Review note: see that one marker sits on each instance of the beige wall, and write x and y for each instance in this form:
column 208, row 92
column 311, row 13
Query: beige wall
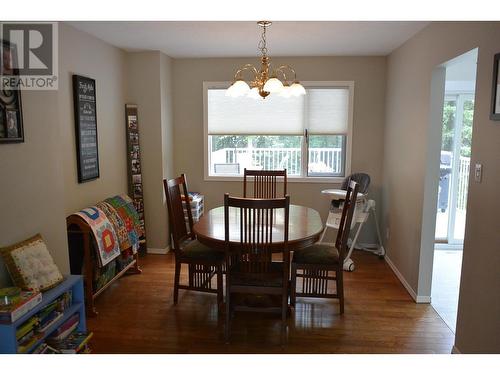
column 31, row 181
column 407, row 110
column 368, row 73
column 38, row 183
column 150, row 86
column 82, row 54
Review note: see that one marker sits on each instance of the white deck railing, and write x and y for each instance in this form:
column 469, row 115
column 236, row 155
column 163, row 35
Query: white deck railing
column 321, row 160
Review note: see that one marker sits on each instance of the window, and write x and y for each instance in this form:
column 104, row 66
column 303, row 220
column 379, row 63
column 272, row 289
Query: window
column 310, row 135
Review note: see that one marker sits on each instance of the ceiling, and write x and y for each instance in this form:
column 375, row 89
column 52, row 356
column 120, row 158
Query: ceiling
column 239, row 39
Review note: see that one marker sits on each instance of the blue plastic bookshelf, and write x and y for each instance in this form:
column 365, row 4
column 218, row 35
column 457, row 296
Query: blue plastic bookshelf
column 8, row 342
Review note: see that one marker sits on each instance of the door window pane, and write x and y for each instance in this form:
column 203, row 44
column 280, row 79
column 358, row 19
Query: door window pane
column 445, row 168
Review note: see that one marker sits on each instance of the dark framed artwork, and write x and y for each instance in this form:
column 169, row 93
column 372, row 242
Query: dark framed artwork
column 11, row 113
column 495, row 92
column 87, row 153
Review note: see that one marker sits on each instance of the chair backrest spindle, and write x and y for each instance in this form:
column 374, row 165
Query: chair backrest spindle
column 264, row 183
column 254, row 253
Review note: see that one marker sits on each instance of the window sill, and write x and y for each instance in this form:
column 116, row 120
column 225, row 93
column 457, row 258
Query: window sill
column 322, row 180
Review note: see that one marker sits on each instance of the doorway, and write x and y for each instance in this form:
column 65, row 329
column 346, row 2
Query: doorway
column 454, row 166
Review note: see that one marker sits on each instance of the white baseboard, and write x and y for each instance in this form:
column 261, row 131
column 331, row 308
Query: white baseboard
column 152, row 250
column 423, row 299
column 455, row 350
column 416, row 298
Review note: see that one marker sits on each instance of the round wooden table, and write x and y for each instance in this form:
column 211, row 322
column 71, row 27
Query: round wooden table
column 305, row 227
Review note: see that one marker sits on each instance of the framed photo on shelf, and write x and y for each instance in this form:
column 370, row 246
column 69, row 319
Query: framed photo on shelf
column 11, row 116
column 495, row 91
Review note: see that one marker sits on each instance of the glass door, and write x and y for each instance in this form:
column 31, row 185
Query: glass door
column 454, row 168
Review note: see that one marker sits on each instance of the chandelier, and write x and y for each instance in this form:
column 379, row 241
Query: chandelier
column 265, row 80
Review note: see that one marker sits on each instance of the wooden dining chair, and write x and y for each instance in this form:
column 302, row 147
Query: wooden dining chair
column 251, row 272
column 316, row 262
column 264, row 183
column 203, row 262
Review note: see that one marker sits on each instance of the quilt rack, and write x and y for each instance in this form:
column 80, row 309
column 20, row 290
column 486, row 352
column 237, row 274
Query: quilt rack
column 83, row 260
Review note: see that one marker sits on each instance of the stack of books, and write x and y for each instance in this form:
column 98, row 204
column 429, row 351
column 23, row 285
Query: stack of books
column 64, row 330
column 48, row 316
column 76, row 342
column 16, row 303
column 67, row 340
column 26, row 335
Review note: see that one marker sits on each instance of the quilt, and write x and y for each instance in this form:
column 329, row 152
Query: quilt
column 104, row 233
column 126, row 210
column 118, row 224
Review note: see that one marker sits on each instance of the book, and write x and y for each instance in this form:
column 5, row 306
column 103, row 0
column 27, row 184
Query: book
column 26, row 327
column 74, row 343
column 65, row 329
column 7, row 295
column 27, row 342
column 40, row 348
column 46, row 311
column 44, row 348
column 52, row 319
column 26, row 301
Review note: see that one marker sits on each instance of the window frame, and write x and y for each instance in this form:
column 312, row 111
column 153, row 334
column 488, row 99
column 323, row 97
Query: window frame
column 304, row 168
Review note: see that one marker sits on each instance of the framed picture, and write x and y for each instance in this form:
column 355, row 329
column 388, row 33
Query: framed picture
column 11, row 117
column 495, row 92
column 84, row 97
column 135, row 190
column 137, row 179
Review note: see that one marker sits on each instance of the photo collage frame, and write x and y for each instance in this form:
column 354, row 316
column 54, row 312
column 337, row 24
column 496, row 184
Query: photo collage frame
column 134, row 161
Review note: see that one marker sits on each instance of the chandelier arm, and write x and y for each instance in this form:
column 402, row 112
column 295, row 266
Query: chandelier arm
column 285, row 66
column 280, row 70
column 239, row 72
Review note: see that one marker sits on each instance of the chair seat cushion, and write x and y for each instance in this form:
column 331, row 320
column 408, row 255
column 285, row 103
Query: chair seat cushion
column 196, row 251
column 317, row 254
column 269, row 279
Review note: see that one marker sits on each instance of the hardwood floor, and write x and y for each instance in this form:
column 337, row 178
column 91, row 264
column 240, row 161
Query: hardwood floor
column 136, row 315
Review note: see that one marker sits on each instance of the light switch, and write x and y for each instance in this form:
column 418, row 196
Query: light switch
column 478, row 172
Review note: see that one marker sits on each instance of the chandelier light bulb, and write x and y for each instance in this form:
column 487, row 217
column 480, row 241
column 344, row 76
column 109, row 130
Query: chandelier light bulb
column 238, row 88
column 254, row 93
column 297, row 89
column 286, row 92
column 273, row 85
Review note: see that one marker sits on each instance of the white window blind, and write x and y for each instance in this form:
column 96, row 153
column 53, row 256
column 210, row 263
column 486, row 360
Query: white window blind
column 321, row 111
column 328, row 110
column 244, row 115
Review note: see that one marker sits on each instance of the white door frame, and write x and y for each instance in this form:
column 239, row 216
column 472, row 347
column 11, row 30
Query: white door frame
column 431, row 184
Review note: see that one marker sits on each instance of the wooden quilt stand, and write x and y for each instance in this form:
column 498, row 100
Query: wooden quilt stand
column 76, row 226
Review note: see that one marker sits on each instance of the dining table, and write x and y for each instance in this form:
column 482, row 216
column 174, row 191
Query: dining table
column 304, row 228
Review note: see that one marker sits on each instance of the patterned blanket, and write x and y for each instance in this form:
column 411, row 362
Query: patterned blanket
column 118, row 224
column 104, row 233
column 126, row 210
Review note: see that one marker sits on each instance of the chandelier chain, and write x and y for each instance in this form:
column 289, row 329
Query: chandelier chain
column 262, row 42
